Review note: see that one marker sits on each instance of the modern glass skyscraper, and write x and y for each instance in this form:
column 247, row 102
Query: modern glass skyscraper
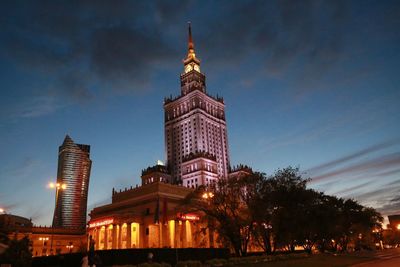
column 196, row 141
column 74, row 166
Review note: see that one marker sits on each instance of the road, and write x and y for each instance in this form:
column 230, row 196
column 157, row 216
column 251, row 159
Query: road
column 384, row 258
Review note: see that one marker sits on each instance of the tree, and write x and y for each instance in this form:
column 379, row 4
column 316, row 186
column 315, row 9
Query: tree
column 280, row 212
column 18, row 253
column 229, row 208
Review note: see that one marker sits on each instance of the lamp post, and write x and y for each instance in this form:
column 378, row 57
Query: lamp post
column 57, row 187
column 70, row 247
column 207, row 196
column 43, row 239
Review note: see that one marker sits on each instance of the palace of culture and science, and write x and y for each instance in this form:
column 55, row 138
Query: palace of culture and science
column 195, row 129
column 197, row 154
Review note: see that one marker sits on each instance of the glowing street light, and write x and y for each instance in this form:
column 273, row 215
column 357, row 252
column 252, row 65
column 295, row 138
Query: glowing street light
column 207, row 195
column 57, row 187
column 398, row 226
column 70, row 247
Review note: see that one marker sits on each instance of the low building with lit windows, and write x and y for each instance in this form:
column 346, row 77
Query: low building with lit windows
column 44, row 241
column 148, row 216
column 47, row 241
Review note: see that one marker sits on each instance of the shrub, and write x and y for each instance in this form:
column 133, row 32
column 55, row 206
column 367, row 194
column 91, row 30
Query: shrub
column 154, row 264
column 189, row 264
column 217, row 262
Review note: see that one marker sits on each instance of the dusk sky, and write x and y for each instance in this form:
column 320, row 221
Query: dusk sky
column 313, row 84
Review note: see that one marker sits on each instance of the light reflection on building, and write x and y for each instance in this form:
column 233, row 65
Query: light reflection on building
column 74, row 167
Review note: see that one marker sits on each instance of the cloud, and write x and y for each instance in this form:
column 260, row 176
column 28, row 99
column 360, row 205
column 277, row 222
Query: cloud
column 353, row 188
column 347, row 158
column 368, row 167
column 23, row 168
column 79, row 48
column 86, row 46
column 124, row 56
column 383, row 198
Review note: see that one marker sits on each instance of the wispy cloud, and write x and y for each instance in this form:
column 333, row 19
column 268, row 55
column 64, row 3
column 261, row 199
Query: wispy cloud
column 369, row 167
column 352, row 189
column 353, row 156
column 38, row 106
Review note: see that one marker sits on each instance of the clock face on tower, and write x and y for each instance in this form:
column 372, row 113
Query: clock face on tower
column 192, row 66
column 188, row 68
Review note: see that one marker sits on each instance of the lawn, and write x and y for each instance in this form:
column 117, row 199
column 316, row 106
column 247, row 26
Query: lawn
column 321, row 260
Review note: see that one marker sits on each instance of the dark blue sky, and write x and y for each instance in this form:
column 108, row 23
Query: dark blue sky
column 314, row 84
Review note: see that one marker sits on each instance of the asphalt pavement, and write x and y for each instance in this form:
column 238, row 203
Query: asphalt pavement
column 384, row 258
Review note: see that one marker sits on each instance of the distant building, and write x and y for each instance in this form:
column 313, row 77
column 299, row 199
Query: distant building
column 44, row 241
column 74, row 166
column 394, row 222
column 196, row 142
column 12, row 225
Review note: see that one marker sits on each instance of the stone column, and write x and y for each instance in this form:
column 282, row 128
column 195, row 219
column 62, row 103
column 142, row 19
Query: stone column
column 128, row 235
column 114, row 237
column 165, row 236
column 142, row 236
column 177, row 235
column 97, row 238
column 119, row 241
column 183, row 234
column 106, row 237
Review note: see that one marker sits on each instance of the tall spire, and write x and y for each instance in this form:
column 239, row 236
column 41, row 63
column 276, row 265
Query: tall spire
column 191, row 55
column 190, row 41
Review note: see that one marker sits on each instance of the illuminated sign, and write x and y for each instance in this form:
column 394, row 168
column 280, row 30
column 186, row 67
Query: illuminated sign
column 101, row 223
column 189, row 217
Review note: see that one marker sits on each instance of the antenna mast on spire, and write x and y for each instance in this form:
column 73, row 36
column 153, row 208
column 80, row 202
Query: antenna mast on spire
column 190, row 41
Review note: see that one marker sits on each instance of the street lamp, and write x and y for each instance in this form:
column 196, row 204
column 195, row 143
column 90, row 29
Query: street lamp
column 70, row 247
column 57, row 187
column 207, row 195
column 398, row 226
column 43, row 239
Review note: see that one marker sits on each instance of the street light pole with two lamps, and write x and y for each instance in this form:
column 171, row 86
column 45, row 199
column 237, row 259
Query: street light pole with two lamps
column 57, row 187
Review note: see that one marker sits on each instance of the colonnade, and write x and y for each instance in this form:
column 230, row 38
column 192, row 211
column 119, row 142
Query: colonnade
column 172, row 234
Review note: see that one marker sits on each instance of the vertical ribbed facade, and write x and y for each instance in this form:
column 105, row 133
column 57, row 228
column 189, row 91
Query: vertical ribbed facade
column 74, row 166
column 196, row 140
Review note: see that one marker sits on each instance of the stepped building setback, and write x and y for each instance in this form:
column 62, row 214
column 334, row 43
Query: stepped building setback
column 196, row 142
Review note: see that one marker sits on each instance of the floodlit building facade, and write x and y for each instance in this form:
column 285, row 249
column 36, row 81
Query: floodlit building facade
column 73, row 174
column 148, row 216
column 196, row 142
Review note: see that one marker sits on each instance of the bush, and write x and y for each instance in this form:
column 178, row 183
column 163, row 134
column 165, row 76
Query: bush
column 154, row 264
column 189, row 264
column 217, row 262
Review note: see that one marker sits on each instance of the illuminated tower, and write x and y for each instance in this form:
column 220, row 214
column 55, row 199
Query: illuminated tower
column 195, row 129
column 74, row 171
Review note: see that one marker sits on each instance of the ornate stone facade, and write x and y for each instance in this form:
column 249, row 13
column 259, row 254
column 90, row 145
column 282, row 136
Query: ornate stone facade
column 195, row 124
column 148, row 217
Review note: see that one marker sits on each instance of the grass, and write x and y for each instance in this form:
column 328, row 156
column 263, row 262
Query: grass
column 320, row 260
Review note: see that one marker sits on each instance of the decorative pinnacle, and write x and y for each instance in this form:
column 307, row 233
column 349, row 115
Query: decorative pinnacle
column 190, row 41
